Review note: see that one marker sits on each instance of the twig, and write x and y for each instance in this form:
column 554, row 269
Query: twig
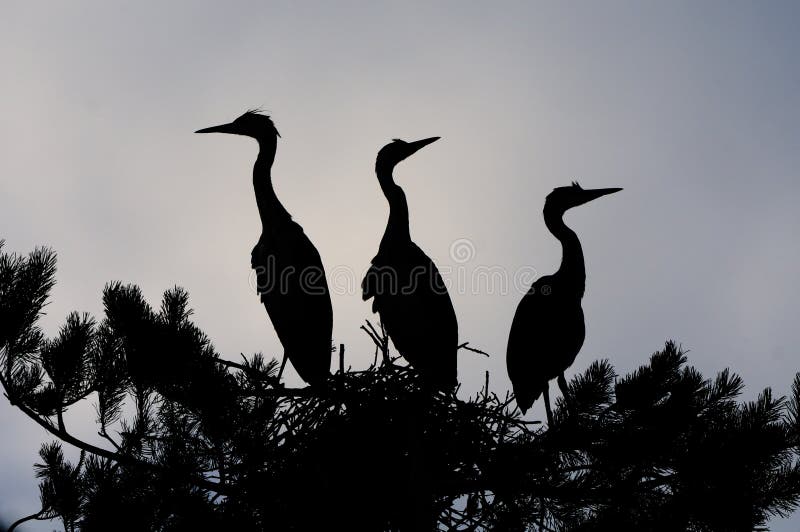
column 250, row 372
column 374, row 331
column 235, row 365
column 373, row 337
column 466, row 346
column 385, row 338
column 381, row 339
column 102, row 433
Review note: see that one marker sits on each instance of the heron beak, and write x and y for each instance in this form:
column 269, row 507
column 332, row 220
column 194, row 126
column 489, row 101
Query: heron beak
column 223, row 128
column 594, row 193
column 415, row 146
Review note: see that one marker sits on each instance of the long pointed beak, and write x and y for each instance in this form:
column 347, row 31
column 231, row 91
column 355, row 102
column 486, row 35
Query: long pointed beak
column 222, row 128
column 419, row 144
column 594, row 193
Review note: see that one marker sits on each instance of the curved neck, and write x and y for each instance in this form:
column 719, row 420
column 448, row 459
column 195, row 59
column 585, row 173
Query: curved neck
column 270, row 209
column 397, row 226
column 572, row 267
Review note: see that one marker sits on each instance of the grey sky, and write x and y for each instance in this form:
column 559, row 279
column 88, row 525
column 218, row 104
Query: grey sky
column 693, row 108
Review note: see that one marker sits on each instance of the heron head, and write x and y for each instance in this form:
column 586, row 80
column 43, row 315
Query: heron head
column 397, row 150
column 563, row 198
column 250, row 124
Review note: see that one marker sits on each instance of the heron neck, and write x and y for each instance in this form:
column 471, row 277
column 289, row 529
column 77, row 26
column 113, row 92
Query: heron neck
column 270, row 209
column 397, row 226
column 572, row 267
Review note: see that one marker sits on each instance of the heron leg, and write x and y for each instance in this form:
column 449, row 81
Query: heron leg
column 546, row 395
column 562, row 384
column 283, row 365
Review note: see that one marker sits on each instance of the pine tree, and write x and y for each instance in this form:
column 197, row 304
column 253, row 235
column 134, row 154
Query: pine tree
column 195, row 442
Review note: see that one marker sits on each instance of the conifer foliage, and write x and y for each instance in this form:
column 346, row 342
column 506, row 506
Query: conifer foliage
column 190, row 441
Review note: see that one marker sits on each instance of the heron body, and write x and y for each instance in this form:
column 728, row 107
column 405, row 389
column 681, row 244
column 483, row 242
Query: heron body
column 289, row 271
column 548, row 329
column 406, row 288
column 293, row 288
column 559, row 321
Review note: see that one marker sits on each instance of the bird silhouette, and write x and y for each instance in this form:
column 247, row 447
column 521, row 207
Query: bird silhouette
column 406, row 287
column 289, row 271
column 548, row 328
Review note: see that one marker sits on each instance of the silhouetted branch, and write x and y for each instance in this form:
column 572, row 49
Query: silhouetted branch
column 63, row 435
column 104, row 434
column 466, row 346
column 15, row 524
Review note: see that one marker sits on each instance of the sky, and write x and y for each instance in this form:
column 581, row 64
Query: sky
column 692, row 107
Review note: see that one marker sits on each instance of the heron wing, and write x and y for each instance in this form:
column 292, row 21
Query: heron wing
column 546, row 334
column 294, row 290
column 416, row 309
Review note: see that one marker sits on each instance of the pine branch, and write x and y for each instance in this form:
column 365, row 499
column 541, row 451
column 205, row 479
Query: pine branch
column 63, row 435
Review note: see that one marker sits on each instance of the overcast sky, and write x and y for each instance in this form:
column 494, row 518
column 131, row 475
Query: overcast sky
column 692, row 107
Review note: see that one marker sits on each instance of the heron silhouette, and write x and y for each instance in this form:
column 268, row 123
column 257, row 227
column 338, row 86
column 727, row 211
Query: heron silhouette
column 289, row 271
column 406, row 288
column 548, row 328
